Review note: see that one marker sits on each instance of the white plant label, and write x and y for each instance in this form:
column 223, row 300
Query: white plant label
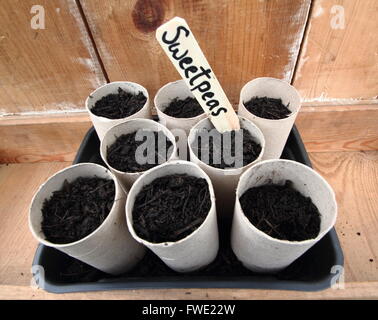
column 179, row 44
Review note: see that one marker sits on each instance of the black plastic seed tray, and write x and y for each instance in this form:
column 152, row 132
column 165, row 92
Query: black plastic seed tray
column 59, row 273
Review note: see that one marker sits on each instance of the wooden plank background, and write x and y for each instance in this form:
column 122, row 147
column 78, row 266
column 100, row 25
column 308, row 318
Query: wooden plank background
column 339, row 128
column 42, row 139
column 45, row 70
column 242, row 39
column 339, row 59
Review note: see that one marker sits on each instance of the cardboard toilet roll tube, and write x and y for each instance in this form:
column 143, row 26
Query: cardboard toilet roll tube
column 110, row 247
column 260, row 252
column 126, row 179
column 196, row 250
column 102, row 124
column 275, row 132
column 165, row 95
column 224, row 180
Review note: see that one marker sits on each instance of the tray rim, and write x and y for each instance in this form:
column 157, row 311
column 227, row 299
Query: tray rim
column 235, row 282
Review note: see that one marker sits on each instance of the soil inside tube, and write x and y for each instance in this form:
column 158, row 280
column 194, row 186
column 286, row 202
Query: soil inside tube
column 268, row 108
column 217, row 149
column 121, row 155
column 183, row 108
column 77, row 209
column 281, row 212
column 171, row 207
column 119, row 105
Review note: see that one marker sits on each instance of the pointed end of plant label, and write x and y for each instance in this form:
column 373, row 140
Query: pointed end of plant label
column 181, row 47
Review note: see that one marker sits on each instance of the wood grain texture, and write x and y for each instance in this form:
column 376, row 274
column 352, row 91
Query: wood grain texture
column 339, row 128
column 42, row 139
column 354, row 178
column 338, row 63
column 242, row 39
column 17, row 188
column 354, row 290
column 45, row 70
column 353, row 175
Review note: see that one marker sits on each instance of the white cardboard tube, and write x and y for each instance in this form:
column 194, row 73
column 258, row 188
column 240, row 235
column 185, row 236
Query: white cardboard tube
column 165, row 95
column 260, row 252
column 277, row 131
column 126, row 179
column 196, row 250
column 225, row 180
column 110, row 247
column 102, row 124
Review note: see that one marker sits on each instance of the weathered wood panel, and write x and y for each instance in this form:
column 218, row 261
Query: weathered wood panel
column 242, row 39
column 42, row 139
column 354, row 178
column 339, row 59
column 51, row 69
column 339, row 128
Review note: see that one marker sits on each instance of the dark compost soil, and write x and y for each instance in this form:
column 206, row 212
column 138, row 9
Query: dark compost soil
column 119, row 105
column 186, row 108
column 171, row 207
column 121, row 154
column 216, row 149
column 281, row 212
column 268, row 108
column 77, row 209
